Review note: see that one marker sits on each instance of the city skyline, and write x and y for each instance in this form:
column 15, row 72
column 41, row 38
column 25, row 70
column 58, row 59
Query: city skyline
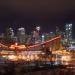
column 43, row 29
column 37, row 37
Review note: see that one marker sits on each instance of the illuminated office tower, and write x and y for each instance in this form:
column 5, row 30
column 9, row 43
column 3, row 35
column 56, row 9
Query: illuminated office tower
column 21, row 35
column 57, row 30
column 38, row 28
column 10, row 33
column 68, row 33
column 29, row 39
column 35, row 36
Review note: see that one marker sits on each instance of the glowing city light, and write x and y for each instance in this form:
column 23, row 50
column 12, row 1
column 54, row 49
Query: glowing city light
column 12, row 57
column 66, row 58
column 38, row 28
column 16, row 44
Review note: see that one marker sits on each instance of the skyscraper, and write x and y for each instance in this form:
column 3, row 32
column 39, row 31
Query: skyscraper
column 35, row 36
column 57, row 30
column 10, row 33
column 68, row 33
column 21, row 35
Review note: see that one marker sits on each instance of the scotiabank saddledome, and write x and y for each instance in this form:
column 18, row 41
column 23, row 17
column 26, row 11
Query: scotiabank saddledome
column 21, row 52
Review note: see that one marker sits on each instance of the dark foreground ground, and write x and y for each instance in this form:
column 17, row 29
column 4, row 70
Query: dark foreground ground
column 11, row 69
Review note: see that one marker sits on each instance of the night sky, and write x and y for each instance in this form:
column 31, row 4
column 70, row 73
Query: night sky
column 28, row 13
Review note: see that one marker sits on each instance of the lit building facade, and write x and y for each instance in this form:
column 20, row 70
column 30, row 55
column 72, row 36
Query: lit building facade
column 21, row 35
column 68, row 33
column 35, row 36
column 10, row 33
